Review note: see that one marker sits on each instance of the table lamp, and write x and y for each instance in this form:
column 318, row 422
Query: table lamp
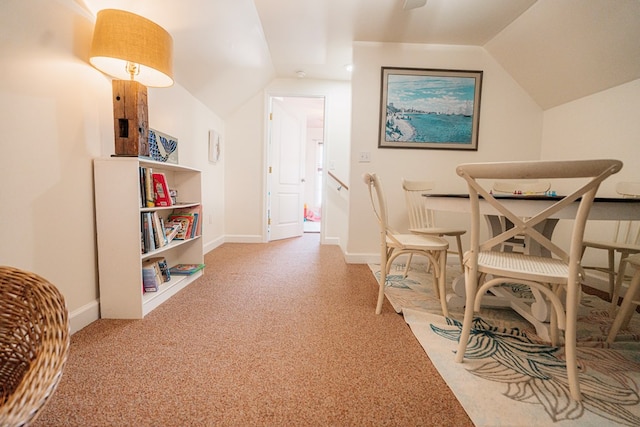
column 138, row 52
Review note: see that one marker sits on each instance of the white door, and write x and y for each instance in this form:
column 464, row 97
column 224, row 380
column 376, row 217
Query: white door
column 286, row 177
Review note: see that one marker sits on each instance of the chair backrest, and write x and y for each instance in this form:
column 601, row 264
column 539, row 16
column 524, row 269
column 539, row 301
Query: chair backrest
column 379, row 204
column 628, row 232
column 592, row 172
column 34, row 344
column 521, row 187
column 628, row 189
column 420, row 216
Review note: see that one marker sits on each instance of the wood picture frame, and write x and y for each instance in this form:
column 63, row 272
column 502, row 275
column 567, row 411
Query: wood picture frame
column 429, row 108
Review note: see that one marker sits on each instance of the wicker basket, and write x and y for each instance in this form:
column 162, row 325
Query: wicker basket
column 34, row 344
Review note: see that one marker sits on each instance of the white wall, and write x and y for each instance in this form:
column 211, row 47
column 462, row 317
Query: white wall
column 176, row 112
column 245, row 166
column 56, row 118
column 510, row 129
column 603, row 125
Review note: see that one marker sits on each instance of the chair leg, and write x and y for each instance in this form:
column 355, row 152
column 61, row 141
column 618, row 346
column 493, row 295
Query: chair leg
column 406, row 269
column 471, row 286
column 570, row 340
column 612, row 272
column 626, row 309
column 460, row 252
column 383, row 281
column 553, row 325
column 442, row 282
column 615, row 295
column 385, row 262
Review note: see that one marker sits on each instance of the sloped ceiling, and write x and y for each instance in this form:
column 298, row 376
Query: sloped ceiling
column 226, row 51
column 559, row 51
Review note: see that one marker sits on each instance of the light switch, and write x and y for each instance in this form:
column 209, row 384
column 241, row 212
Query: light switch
column 364, row 157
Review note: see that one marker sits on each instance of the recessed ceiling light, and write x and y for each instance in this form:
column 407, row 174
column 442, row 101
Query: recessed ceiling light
column 348, row 67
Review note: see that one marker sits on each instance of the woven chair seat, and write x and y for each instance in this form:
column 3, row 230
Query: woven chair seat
column 548, row 270
column 34, row 344
column 438, row 231
column 419, row 242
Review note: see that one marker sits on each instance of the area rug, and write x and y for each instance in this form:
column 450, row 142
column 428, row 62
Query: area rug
column 510, row 377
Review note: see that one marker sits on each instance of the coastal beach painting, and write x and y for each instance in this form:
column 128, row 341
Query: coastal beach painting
column 428, row 108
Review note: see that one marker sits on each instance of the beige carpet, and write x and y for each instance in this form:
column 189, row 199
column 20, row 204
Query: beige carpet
column 272, row 335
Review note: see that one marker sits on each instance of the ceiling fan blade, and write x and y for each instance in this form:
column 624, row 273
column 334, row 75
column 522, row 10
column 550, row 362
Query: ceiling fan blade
column 413, row 4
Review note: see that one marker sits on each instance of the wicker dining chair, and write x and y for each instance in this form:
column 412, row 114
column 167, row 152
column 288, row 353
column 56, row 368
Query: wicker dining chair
column 394, row 244
column 34, row 344
column 631, row 299
column 422, row 219
column 624, row 242
column 558, row 277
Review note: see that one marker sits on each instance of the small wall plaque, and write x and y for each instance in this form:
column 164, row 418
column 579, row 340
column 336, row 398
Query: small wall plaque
column 163, row 147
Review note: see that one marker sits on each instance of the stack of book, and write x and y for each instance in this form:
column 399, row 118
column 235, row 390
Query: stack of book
column 154, row 273
column 189, row 218
column 181, row 224
column 154, row 189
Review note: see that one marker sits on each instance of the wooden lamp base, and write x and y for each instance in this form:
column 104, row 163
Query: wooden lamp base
column 130, row 118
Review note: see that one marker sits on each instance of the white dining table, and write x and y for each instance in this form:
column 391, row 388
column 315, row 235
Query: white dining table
column 535, row 309
column 604, row 208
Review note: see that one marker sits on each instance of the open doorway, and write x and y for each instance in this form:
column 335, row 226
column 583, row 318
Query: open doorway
column 313, row 181
column 302, row 121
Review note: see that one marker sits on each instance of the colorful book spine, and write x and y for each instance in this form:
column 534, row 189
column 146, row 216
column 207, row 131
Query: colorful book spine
column 161, row 190
column 148, row 181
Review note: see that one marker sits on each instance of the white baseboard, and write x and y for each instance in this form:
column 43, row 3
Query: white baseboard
column 209, row 246
column 331, row 241
column 375, row 259
column 239, row 238
column 84, row 315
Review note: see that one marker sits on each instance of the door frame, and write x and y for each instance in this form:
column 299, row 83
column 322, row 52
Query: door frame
column 267, row 154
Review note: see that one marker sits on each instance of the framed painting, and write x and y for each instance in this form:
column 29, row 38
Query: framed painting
column 214, row 146
column 429, row 108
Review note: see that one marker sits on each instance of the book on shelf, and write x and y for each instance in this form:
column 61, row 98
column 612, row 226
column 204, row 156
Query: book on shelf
column 151, row 275
column 163, row 266
column 172, row 228
column 160, row 238
column 186, row 222
column 148, row 187
column 148, row 239
column 160, row 190
column 185, row 269
column 141, row 183
column 196, row 213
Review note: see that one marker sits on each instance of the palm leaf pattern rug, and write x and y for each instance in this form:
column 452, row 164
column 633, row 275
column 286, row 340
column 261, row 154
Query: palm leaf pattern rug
column 511, row 377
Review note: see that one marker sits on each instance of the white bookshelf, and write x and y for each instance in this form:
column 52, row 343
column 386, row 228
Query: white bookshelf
column 118, row 217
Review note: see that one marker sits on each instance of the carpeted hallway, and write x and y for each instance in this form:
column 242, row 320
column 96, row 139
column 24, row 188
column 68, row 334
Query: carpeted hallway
column 273, row 334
